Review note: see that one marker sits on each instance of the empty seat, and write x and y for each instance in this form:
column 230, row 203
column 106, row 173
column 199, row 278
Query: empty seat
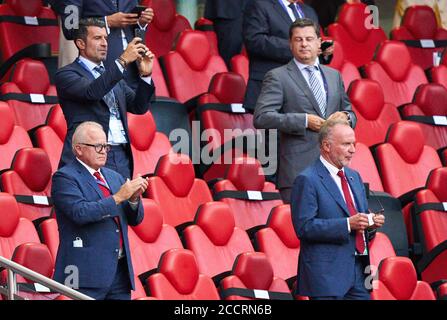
column 176, row 190
column 419, row 24
column 359, row 42
column 431, row 220
column 49, row 234
column 393, row 68
column 252, row 278
column 148, row 241
column 215, row 240
column 12, row 137
column 348, row 70
column 380, row 248
column 178, row 278
column 191, row 66
column 29, row 181
column 397, row 280
column 29, row 93
column 239, row 64
column 165, row 26
column 247, row 193
column 363, row 162
column 374, row 115
column 439, row 75
column 280, row 244
column 429, row 110
column 50, row 137
column 206, row 26
column 161, row 88
column 146, row 143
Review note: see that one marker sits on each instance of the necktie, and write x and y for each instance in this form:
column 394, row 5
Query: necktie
column 106, row 192
column 109, row 98
column 297, row 12
column 359, row 243
column 315, row 86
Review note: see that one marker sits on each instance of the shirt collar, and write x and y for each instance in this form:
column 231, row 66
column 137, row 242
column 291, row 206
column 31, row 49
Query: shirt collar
column 303, row 66
column 90, row 64
column 90, row 169
column 333, row 170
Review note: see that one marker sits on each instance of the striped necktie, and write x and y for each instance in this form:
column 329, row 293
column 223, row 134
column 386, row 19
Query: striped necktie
column 318, row 92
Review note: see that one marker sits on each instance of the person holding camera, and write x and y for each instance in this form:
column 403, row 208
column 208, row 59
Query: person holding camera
column 90, row 91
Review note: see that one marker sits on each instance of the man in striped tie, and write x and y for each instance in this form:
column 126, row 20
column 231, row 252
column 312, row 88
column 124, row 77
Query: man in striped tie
column 296, row 99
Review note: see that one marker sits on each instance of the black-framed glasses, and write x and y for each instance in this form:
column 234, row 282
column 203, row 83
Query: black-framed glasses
column 98, row 147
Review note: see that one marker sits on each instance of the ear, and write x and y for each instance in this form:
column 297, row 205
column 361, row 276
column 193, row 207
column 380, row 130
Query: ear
column 326, row 146
column 80, row 44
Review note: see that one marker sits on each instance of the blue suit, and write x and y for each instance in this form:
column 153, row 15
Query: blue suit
column 81, row 99
column 327, row 256
column 83, row 212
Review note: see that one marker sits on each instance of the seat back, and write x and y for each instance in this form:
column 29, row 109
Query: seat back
column 239, row 64
column 30, row 78
column 439, row 75
column 348, row 70
column 161, row 88
column 380, row 247
column 206, row 26
column 363, row 162
column 397, row 74
column 165, row 26
column 191, row 66
column 359, row 42
column 215, row 240
column 374, row 116
column 49, row 232
column 279, row 242
column 178, row 278
column 30, row 175
column 34, row 256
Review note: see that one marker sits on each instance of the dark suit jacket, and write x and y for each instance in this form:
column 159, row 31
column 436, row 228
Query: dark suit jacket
column 102, row 8
column 224, row 9
column 284, row 100
column 319, row 213
column 81, row 99
column 83, row 212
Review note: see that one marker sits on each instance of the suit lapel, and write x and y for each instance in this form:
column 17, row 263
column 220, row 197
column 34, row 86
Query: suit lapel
column 298, row 78
column 282, row 13
column 328, row 78
column 87, row 178
column 331, row 187
column 356, row 190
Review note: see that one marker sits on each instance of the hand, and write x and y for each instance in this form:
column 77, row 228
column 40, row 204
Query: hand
column 134, row 50
column 121, row 20
column 314, row 122
column 143, row 186
column 146, row 17
column 329, row 50
column 338, row 116
column 131, row 190
column 379, row 220
column 145, row 63
column 359, row 222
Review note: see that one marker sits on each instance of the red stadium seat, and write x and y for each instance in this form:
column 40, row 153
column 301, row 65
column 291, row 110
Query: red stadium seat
column 191, row 66
column 398, row 281
column 429, row 104
column 374, row 115
column 253, row 272
column 146, row 143
column 439, row 75
column 176, row 190
column 29, row 93
column 359, row 42
column 419, row 23
column 215, row 240
column 247, row 193
column 50, row 137
column 165, row 26
column 397, row 74
column 363, row 162
column 49, row 232
column 348, row 70
column 206, row 26
column 279, row 243
column 29, row 181
column 239, row 64
column 178, row 278
column 161, row 88
column 148, row 241
column 12, row 137
column 380, row 248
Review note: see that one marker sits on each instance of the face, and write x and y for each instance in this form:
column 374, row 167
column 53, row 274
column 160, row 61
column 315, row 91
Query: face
column 340, row 147
column 87, row 154
column 95, row 46
column 305, row 45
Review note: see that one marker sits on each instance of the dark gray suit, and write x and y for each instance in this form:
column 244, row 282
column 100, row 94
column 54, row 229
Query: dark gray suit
column 283, row 103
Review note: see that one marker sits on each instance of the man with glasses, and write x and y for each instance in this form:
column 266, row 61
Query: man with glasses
column 88, row 91
column 94, row 206
column 296, row 99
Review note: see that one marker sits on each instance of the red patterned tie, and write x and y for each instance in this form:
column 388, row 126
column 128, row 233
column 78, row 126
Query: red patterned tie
column 359, row 243
column 106, row 192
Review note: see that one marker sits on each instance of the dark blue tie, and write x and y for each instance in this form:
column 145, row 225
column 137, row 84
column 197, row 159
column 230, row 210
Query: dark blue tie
column 297, row 12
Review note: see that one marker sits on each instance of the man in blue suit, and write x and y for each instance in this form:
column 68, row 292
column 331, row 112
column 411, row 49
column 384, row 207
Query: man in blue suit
column 329, row 213
column 94, row 206
column 89, row 92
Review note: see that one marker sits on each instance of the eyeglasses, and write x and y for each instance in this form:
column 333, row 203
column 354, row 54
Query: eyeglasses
column 98, row 147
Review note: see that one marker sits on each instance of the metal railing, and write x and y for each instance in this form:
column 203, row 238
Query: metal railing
column 14, row 268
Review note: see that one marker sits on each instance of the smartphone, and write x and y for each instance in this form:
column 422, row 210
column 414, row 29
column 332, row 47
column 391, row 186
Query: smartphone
column 138, row 9
column 326, row 44
column 140, row 33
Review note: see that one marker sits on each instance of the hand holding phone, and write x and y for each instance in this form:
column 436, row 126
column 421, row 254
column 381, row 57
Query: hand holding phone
column 138, row 10
column 326, row 44
column 140, row 33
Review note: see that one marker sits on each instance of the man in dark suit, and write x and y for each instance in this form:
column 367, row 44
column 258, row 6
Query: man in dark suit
column 94, row 206
column 265, row 29
column 331, row 218
column 296, row 99
column 87, row 92
column 120, row 24
column 227, row 20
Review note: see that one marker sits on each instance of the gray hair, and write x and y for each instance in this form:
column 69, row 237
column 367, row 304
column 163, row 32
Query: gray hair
column 328, row 125
column 81, row 132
